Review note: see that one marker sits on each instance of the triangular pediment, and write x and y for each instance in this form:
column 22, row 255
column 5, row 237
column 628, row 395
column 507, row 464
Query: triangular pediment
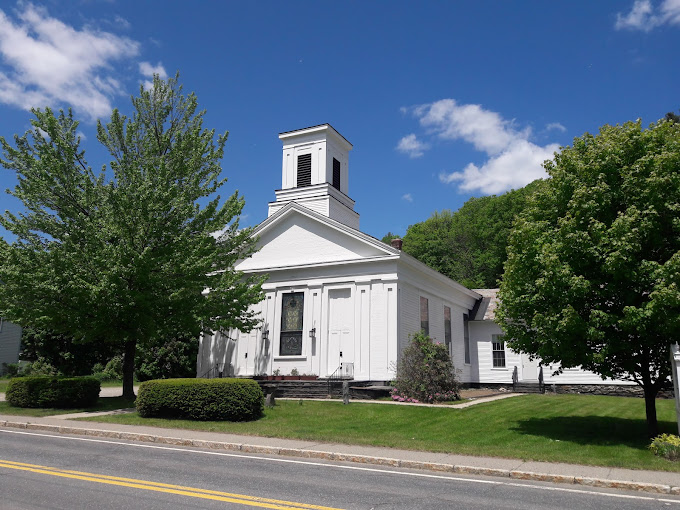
column 296, row 236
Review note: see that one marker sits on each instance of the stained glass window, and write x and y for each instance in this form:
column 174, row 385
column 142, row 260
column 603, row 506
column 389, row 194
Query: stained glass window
column 292, row 315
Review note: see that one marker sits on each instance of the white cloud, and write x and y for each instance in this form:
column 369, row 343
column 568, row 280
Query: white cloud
column 46, row 62
column 148, row 70
column 556, row 126
column 512, row 159
column 643, row 16
column 407, row 197
column 410, row 145
column 513, row 168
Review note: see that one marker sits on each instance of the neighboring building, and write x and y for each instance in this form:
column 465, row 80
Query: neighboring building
column 10, row 343
column 491, row 361
column 340, row 301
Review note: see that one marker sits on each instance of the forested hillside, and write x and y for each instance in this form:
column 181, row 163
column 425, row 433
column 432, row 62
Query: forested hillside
column 468, row 245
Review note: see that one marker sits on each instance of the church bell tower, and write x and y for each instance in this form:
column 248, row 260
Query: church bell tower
column 314, row 173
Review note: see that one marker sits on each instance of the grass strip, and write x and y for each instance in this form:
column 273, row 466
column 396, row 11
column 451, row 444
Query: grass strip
column 103, row 404
column 577, row 429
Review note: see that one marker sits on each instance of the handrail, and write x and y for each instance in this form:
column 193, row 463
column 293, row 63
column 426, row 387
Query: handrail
column 218, row 371
column 344, row 372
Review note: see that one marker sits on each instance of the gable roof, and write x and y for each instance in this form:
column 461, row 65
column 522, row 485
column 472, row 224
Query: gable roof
column 286, row 238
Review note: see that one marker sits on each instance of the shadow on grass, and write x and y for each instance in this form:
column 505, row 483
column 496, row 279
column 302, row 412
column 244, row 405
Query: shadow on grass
column 593, row 430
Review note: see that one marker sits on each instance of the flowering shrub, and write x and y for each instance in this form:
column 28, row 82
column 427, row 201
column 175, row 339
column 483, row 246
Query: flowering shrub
column 425, row 373
column 666, row 445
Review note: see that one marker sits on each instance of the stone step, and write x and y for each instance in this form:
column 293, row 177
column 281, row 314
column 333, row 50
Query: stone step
column 527, row 387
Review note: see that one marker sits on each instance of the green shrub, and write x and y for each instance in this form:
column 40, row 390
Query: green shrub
column 53, row 391
column 425, row 373
column 39, row 367
column 167, row 359
column 201, row 399
column 113, row 371
column 666, row 445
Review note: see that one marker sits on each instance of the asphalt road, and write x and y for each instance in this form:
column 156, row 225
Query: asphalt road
column 43, row 471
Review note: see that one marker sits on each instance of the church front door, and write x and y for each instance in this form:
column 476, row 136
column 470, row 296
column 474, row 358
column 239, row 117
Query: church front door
column 340, row 329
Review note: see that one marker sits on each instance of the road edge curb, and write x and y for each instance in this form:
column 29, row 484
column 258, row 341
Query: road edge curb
column 349, row 457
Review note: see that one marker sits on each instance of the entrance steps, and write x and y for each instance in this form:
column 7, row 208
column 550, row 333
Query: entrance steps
column 301, row 389
column 322, row 388
column 528, row 387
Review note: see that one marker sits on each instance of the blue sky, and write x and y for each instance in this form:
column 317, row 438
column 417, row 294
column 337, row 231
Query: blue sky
column 441, row 100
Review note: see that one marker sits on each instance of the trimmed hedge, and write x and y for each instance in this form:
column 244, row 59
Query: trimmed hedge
column 53, row 391
column 201, row 399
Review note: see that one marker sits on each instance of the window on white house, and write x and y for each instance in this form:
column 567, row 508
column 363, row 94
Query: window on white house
column 292, row 315
column 424, row 316
column 466, row 338
column 447, row 328
column 498, row 351
column 304, row 170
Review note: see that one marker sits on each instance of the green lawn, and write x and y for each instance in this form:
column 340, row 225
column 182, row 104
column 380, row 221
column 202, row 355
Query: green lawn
column 103, row 404
column 595, row 430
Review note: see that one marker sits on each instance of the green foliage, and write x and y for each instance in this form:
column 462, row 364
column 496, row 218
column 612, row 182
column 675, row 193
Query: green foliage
column 113, row 371
column 425, row 373
column 41, row 366
column 122, row 256
column 201, row 399
column 387, row 239
column 593, row 271
column 46, row 391
column 667, row 446
column 10, row 369
column 469, row 245
column 167, row 360
column 72, row 357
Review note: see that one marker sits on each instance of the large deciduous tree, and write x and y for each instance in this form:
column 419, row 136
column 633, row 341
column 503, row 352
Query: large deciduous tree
column 124, row 256
column 593, row 271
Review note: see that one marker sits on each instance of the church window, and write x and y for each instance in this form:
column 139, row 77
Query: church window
column 304, row 170
column 292, row 315
column 336, row 174
column 447, row 328
column 466, row 338
column 498, row 351
column 424, row 316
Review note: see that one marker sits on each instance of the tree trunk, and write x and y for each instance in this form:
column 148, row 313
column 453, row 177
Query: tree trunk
column 129, row 369
column 651, row 391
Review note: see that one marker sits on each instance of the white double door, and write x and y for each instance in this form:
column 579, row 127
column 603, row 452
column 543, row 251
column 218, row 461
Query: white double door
column 340, row 328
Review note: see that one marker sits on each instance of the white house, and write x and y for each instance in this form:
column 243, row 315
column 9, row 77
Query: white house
column 10, row 343
column 340, row 301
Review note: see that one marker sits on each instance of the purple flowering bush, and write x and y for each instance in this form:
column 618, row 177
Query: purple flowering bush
column 425, row 373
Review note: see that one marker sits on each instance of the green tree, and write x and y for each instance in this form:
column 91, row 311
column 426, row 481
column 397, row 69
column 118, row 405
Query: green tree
column 469, row 245
column 387, row 238
column 123, row 257
column 593, row 273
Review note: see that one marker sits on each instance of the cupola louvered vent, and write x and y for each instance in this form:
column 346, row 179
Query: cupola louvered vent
column 336, row 174
column 304, row 170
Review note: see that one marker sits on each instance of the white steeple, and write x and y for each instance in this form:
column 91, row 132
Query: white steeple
column 314, row 173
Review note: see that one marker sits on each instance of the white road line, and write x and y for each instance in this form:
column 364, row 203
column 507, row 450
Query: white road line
column 354, row 468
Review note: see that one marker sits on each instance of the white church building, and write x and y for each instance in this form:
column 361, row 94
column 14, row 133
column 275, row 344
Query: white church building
column 338, row 301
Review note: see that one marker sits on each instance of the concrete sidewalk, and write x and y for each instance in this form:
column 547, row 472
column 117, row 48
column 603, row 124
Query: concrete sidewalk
column 650, row 481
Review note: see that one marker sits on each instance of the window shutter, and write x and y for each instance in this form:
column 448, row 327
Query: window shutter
column 336, row 174
column 304, row 170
